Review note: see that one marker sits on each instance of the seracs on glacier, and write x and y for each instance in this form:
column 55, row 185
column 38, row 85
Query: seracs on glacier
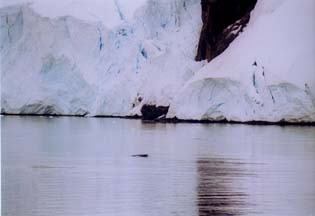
column 70, row 65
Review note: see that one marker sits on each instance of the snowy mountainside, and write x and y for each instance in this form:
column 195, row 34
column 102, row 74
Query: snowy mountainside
column 266, row 74
column 69, row 65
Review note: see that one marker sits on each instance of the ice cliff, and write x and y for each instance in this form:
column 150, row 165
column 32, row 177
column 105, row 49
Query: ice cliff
column 68, row 65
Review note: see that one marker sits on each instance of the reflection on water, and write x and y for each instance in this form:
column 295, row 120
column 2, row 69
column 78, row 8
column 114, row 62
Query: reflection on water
column 217, row 191
column 82, row 166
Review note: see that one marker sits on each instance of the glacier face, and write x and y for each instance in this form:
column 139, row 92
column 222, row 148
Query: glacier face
column 217, row 99
column 67, row 66
column 110, row 12
column 75, row 67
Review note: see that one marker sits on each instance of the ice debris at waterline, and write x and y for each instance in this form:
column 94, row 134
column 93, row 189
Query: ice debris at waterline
column 71, row 65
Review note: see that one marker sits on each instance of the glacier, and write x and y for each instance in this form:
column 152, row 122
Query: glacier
column 72, row 65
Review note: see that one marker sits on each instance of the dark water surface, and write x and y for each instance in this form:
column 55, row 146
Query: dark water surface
column 83, row 166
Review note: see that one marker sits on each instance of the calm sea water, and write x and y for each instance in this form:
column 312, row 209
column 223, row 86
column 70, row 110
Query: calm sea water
column 83, row 166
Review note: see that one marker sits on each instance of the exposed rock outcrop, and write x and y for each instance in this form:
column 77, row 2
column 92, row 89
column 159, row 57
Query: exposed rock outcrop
column 223, row 20
column 152, row 112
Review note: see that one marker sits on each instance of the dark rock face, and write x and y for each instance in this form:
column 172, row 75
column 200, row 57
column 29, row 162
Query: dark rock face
column 223, row 20
column 152, row 112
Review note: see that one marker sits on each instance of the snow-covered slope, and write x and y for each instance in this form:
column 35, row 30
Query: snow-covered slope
column 76, row 65
column 267, row 73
